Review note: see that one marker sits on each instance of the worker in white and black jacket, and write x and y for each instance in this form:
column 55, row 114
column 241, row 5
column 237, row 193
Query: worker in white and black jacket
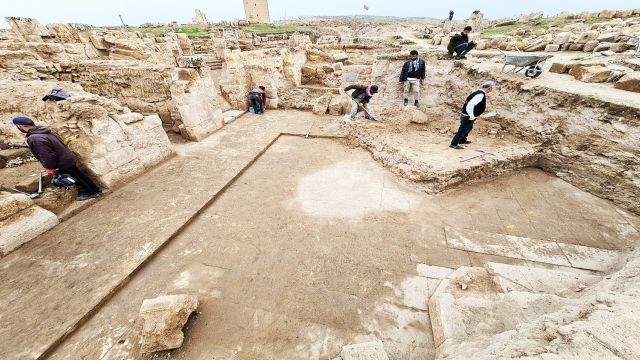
column 473, row 108
column 412, row 75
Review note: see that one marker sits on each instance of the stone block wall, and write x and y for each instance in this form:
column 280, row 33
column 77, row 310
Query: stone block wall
column 148, row 75
column 112, row 143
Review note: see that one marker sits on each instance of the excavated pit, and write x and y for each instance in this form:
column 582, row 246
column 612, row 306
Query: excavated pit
column 297, row 246
column 587, row 141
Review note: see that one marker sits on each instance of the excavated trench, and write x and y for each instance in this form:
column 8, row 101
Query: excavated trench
column 588, row 142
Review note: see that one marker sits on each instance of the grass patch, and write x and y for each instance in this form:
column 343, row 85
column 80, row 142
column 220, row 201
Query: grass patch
column 536, row 26
column 161, row 30
column 274, row 29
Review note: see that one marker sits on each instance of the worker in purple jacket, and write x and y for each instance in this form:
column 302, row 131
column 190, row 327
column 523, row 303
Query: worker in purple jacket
column 55, row 156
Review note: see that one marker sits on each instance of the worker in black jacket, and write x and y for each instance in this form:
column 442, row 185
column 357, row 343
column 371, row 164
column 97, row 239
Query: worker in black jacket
column 460, row 45
column 361, row 95
column 412, row 76
column 473, row 108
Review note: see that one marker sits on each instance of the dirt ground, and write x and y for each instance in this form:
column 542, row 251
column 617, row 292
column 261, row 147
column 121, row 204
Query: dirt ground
column 316, row 246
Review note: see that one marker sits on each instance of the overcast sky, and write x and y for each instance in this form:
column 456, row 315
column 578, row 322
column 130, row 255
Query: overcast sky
column 135, row 12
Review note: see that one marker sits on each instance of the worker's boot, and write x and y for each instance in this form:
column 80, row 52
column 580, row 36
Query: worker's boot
column 416, row 103
column 406, row 102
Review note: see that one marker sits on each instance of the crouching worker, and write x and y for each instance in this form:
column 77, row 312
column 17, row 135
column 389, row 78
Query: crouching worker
column 362, row 94
column 459, row 45
column 258, row 99
column 473, row 108
column 56, row 157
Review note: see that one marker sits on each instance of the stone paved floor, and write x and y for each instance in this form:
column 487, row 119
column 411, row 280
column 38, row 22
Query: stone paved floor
column 317, row 246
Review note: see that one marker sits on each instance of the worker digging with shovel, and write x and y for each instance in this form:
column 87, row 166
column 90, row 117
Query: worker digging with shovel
column 361, row 96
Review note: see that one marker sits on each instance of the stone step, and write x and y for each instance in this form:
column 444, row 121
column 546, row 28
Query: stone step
column 542, row 251
column 475, row 303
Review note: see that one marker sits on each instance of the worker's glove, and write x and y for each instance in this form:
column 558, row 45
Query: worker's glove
column 472, row 118
column 50, row 171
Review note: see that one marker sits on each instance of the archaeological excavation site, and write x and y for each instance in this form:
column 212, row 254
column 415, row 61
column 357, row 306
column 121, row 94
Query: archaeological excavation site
column 310, row 189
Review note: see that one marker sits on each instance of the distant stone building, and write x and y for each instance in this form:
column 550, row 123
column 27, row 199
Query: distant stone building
column 256, row 11
column 199, row 18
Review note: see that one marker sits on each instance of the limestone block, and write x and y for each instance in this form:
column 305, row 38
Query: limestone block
column 434, row 272
column 11, row 204
column 31, row 183
column 589, row 46
column 629, row 82
column 537, row 46
column 624, row 13
column 615, row 47
column 340, row 57
column 446, row 322
column 576, row 47
column 128, row 118
column 198, row 106
column 373, row 350
column 192, row 61
column 10, row 154
column 98, row 41
column 339, row 105
column 23, row 227
column 562, row 38
column 587, row 36
column 322, row 104
column 27, row 29
column 481, row 44
column 552, row 48
column 508, row 278
column 607, row 14
column 164, row 318
column 560, row 68
column 610, row 37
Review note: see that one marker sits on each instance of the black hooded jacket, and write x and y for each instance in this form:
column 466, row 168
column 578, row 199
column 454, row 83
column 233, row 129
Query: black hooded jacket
column 49, row 149
column 359, row 90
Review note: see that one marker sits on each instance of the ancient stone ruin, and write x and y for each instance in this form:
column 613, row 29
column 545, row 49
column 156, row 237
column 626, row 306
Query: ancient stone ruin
column 301, row 233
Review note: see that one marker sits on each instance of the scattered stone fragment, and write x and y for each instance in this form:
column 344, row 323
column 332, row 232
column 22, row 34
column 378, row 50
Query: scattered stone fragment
column 322, row 104
column 629, row 82
column 373, row 350
column 164, row 318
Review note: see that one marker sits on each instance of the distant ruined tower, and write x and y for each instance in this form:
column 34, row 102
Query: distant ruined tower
column 256, row 11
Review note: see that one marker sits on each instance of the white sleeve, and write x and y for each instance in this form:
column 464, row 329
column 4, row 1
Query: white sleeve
column 472, row 104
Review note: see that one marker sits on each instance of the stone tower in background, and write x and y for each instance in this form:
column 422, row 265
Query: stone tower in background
column 256, row 11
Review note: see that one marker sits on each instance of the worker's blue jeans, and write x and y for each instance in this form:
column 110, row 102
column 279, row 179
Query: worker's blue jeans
column 466, row 125
column 256, row 103
column 463, row 49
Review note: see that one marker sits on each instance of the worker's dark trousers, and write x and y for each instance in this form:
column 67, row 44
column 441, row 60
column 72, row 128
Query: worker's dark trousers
column 463, row 49
column 256, row 103
column 83, row 182
column 466, row 126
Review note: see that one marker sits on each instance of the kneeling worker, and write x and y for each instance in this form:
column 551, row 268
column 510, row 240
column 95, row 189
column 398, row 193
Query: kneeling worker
column 258, row 99
column 460, row 45
column 55, row 156
column 474, row 107
column 361, row 95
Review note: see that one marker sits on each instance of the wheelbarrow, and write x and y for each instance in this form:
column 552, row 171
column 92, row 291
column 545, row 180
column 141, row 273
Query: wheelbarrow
column 532, row 64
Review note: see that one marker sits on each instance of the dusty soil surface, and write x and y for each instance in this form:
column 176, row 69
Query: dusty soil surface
column 316, row 246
